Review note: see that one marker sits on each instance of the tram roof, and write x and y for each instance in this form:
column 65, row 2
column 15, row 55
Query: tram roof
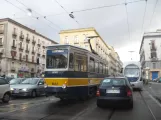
column 67, row 46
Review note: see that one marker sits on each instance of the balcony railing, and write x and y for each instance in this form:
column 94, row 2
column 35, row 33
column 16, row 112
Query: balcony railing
column 154, row 59
column 27, row 51
column 14, row 34
column 33, row 51
column 21, row 49
column 21, row 37
column 13, row 46
column 39, row 44
column 27, row 39
column 33, row 42
column 13, row 69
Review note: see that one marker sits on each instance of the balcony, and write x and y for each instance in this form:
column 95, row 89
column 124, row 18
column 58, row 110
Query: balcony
column 38, row 54
column 76, row 42
column 32, row 70
column 33, row 52
column 1, row 43
column 33, row 41
column 13, row 69
column 13, row 47
column 1, row 31
column 43, row 56
column 14, row 34
column 27, row 39
column 21, row 37
column 1, row 51
column 39, row 44
column 154, row 59
column 43, row 46
column 20, row 49
column 27, row 51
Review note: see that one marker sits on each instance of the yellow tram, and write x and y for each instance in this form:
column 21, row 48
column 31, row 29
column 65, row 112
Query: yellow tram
column 73, row 72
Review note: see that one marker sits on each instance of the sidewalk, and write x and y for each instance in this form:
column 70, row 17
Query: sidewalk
column 154, row 89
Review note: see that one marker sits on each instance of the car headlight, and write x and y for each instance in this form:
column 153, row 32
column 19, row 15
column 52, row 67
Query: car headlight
column 11, row 88
column 25, row 89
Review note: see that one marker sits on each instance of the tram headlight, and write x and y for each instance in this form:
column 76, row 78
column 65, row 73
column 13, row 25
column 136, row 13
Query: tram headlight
column 64, row 86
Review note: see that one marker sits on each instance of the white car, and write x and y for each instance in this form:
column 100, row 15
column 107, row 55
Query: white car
column 5, row 93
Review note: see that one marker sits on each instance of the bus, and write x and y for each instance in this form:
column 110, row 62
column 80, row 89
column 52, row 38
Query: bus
column 73, row 72
column 133, row 72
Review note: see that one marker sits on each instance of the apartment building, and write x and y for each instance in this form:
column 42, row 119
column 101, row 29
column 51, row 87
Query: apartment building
column 80, row 37
column 150, row 54
column 22, row 50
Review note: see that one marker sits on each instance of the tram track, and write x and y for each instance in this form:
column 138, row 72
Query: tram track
column 70, row 107
column 151, row 112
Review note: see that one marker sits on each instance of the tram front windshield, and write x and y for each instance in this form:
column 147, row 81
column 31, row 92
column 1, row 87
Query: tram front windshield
column 57, row 59
column 132, row 73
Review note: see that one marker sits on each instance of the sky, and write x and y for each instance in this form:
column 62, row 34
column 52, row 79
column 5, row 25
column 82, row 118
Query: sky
column 121, row 26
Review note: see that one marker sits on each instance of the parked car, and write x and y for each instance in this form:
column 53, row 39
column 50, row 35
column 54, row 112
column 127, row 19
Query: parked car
column 159, row 80
column 29, row 87
column 115, row 91
column 4, row 90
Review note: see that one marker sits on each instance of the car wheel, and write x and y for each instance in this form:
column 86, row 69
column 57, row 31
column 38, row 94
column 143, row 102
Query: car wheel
column 6, row 98
column 33, row 94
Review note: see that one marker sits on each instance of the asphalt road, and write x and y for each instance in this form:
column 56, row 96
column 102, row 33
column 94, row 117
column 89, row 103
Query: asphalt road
column 146, row 107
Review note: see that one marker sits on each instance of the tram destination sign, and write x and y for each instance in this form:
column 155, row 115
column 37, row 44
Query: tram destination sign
column 53, row 51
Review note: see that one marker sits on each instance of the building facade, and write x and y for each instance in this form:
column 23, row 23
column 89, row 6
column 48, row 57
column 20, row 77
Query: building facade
column 150, row 54
column 80, row 37
column 22, row 50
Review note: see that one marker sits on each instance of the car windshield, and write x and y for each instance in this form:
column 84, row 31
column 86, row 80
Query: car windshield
column 30, row 81
column 56, row 59
column 113, row 82
column 15, row 81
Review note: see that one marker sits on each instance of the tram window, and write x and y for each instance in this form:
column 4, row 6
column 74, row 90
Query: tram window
column 80, row 63
column 91, row 65
column 71, row 60
column 96, row 67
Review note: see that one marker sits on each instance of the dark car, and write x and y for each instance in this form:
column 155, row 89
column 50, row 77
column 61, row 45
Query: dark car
column 115, row 91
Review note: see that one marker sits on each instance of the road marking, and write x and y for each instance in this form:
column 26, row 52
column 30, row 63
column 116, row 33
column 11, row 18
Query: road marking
column 148, row 107
column 154, row 100
column 91, row 107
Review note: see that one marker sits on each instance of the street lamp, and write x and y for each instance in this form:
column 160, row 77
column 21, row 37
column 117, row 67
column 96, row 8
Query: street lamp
column 131, row 53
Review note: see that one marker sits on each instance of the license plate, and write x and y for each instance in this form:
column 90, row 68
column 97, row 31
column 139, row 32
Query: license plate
column 16, row 91
column 112, row 91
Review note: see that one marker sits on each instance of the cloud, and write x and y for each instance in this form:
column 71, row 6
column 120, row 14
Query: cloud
column 110, row 22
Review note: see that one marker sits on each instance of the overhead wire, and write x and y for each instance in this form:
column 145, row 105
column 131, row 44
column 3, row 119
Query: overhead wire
column 153, row 12
column 66, row 11
column 41, row 16
column 142, row 26
column 100, row 7
column 127, row 19
column 15, row 6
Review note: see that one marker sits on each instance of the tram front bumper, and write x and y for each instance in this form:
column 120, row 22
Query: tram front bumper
column 56, row 91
